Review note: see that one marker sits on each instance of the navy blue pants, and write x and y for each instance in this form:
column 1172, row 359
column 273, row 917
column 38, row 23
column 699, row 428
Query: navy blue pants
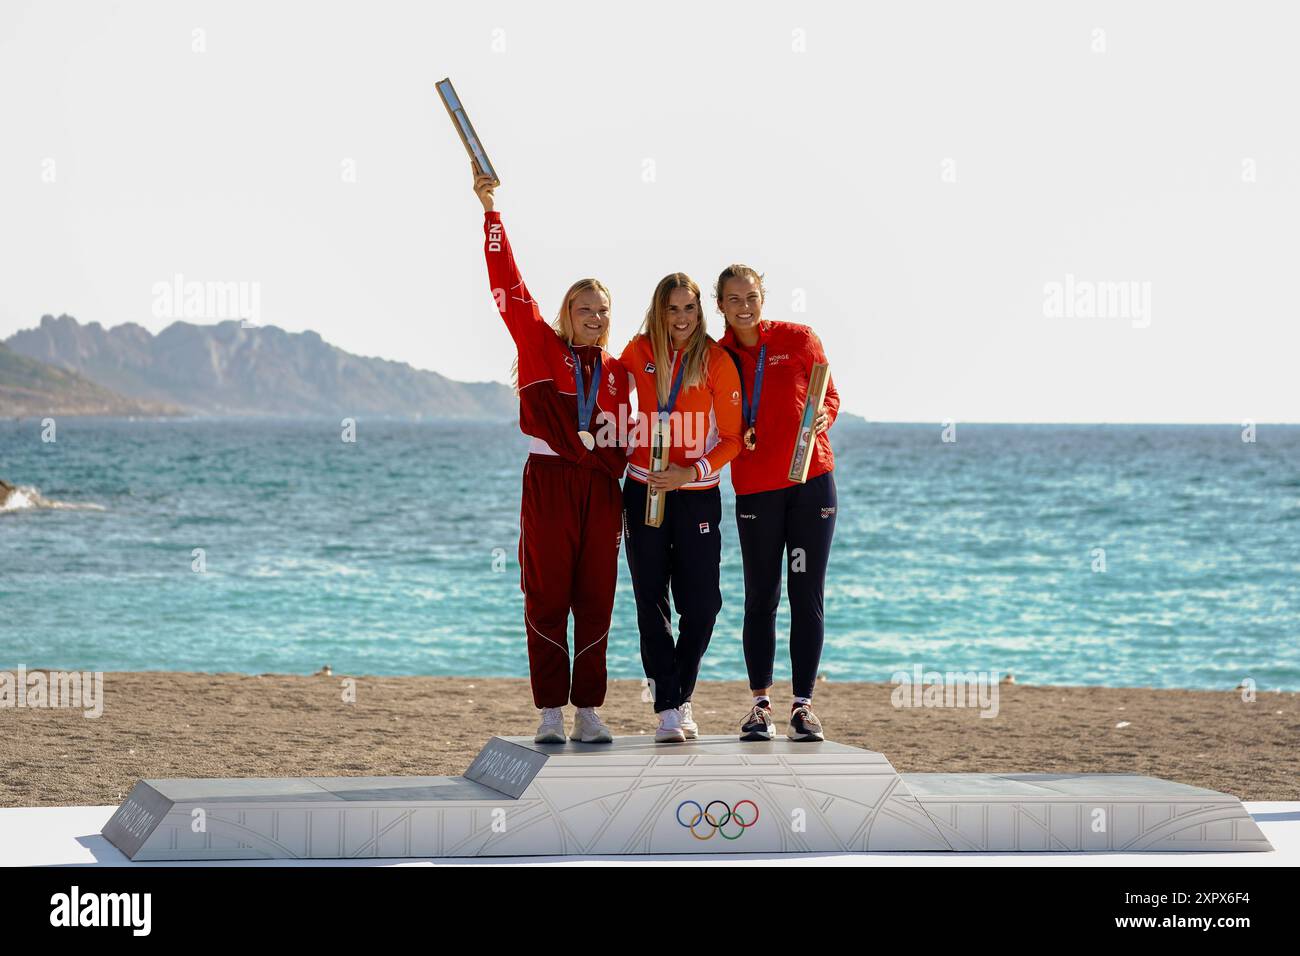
column 796, row 523
column 682, row 556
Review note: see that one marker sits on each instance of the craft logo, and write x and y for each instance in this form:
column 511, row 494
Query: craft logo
column 718, row 818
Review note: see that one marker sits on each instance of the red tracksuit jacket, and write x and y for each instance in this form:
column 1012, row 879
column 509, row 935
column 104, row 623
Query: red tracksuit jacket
column 548, row 405
column 792, row 349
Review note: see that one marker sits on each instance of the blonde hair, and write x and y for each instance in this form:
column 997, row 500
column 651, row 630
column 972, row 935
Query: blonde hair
column 563, row 324
column 695, row 353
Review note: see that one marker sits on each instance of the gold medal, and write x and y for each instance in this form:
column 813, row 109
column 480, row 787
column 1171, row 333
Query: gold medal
column 751, row 438
column 588, row 439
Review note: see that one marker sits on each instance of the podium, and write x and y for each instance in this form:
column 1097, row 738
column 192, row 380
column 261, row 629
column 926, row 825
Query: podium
column 711, row 795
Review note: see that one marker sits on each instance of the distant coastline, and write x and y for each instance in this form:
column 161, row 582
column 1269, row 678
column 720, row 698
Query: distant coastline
column 228, row 369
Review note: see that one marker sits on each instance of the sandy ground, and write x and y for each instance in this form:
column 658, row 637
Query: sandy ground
column 234, row 725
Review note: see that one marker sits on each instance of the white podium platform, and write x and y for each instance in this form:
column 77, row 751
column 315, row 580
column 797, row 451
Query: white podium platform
column 711, row 795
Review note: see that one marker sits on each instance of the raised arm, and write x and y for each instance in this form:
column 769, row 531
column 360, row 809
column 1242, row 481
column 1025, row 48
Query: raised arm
column 513, row 300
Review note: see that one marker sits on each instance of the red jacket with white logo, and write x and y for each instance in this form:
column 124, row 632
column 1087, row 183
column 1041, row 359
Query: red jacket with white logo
column 792, row 349
column 704, row 425
column 548, row 403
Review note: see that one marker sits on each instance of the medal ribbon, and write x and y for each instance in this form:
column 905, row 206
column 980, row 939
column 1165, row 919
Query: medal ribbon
column 672, row 393
column 586, row 397
column 748, row 409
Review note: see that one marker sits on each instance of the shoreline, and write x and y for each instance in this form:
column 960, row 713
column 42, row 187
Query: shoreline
column 189, row 724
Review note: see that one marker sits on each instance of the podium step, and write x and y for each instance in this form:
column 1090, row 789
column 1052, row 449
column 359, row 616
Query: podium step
column 710, row 795
column 1082, row 812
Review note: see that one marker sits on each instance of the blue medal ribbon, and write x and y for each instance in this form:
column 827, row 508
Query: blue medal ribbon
column 672, row 392
column 750, row 409
column 586, row 397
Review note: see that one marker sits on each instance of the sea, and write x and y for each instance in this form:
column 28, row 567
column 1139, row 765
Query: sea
column 1118, row 555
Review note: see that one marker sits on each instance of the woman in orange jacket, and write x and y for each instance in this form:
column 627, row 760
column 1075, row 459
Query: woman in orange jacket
column 683, row 379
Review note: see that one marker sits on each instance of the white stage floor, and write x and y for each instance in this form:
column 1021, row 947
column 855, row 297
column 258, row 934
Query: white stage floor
column 71, row 836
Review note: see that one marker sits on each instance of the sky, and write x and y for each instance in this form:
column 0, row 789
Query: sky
column 1019, row 212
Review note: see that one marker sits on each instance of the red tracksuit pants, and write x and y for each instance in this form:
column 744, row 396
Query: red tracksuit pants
column 571, row 526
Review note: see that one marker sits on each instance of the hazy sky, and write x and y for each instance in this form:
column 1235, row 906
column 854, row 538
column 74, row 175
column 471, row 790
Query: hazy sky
column 912, row 178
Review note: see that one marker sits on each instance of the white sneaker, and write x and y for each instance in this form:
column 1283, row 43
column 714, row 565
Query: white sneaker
column 589, row 728
column 689, row 727
column 670, row 727
column 551, row 729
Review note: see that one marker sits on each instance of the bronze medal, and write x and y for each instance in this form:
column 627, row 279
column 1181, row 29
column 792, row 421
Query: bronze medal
column 749, row 403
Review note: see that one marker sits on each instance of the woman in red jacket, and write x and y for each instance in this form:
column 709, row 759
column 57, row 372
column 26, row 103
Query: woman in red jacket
column 775, row 515
column 572, row 395
column 681, row 374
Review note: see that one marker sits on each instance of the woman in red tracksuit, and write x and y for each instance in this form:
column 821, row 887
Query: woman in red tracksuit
column 679, row 373
column 572, row 396
column 774, row 515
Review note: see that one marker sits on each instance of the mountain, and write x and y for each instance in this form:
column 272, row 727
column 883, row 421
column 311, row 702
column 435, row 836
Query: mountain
column 227, row 369
column 29, row 388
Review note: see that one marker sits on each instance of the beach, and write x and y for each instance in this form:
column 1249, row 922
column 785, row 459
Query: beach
column 183, row 724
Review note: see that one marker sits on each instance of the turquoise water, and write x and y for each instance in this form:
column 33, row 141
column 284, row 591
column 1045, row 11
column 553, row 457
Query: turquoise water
column 397, row 554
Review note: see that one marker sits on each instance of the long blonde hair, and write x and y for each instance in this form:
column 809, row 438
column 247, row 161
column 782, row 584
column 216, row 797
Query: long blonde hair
column 563, row 324
column 695, row 354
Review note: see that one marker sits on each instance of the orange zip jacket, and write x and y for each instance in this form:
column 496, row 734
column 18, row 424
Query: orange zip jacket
column 792, row 349
column 705, row 426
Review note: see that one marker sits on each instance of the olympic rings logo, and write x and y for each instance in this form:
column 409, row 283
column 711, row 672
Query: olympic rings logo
column 718, row 823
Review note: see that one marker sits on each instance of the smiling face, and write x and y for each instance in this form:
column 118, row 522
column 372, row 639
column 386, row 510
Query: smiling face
column 683, row 315
column 741, row 303
column 589, row 315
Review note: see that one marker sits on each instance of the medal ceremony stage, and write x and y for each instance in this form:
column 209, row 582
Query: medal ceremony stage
column 712, row 795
